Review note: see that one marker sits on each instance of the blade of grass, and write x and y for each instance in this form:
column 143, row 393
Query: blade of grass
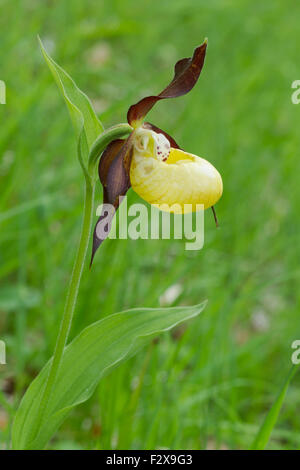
column 262, row 438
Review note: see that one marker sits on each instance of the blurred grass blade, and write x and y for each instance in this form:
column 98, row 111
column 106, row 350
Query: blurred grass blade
column 262, row 438
column 85, row 121
column 93, row 353
column 15, row 296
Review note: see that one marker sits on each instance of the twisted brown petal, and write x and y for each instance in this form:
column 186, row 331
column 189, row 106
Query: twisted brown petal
column 114, row 169
column 186, row 74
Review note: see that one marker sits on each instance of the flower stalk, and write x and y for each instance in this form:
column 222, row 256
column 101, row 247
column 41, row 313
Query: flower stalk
column 100, row 144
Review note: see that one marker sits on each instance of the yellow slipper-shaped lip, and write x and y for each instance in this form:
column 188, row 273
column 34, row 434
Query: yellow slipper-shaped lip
column 183, row 183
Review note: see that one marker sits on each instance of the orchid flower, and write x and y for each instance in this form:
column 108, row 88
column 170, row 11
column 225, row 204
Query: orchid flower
column 151, row 162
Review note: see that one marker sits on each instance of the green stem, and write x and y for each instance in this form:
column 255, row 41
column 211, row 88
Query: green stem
column 70, row 302
column 103, row 140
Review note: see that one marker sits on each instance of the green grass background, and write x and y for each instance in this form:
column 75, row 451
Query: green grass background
column 210, row 384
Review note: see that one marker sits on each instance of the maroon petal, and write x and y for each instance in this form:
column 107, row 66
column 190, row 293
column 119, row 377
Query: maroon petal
column 118, row 181
column 107, row 158
column 186, row 74
column 152, row 127
column 114, row 169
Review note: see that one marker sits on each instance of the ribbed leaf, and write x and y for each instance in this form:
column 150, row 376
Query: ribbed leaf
column 93, row 353
column 86, row 124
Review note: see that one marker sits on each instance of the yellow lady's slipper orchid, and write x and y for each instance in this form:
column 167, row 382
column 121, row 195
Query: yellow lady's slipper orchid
column 151, row 162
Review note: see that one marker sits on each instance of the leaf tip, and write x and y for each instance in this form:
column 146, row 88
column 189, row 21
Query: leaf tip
column 40, row 42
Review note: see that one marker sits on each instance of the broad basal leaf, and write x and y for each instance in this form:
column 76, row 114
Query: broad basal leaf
column 93, row 353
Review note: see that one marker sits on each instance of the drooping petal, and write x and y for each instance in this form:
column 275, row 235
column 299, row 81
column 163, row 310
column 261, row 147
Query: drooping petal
column 105, row 162
column 186, row 74
column 178, row 184
column 118, row 181
column 114, row 167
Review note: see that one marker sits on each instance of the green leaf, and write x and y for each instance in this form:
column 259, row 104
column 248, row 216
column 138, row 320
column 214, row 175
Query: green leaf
column 92, row 354
column 262, row 438
column 85, row 121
